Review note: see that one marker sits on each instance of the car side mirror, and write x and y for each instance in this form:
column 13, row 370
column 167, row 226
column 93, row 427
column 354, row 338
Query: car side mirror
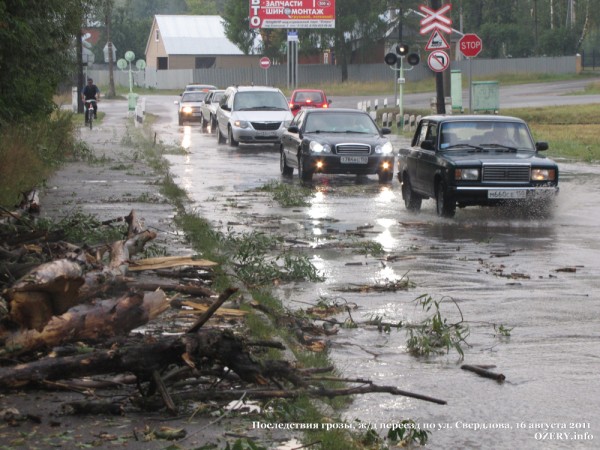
column 427, row 145
column 225, row 107
column 293, row 129
column 295, row 107
column 541, row 146
column 329, row 101
column 386, row 130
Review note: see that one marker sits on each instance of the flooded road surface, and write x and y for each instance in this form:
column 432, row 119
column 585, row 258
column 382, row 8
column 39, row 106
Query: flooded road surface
column 498, row 270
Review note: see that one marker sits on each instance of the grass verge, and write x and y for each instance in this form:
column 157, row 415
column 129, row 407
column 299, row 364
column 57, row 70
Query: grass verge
column 234, row 250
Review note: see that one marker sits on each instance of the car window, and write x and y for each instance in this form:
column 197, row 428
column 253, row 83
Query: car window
column 217, row 96
column 193, row 97
column 298, row 120
column 486, row 133
column 259, row 100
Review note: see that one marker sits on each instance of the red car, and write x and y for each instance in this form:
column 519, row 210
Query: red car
column 308, row 98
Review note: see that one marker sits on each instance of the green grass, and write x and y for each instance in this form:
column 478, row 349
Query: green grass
column 571, row 131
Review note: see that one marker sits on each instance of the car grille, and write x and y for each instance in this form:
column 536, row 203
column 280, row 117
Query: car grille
column 353, row 149
column 511, row 174
column 266, row 126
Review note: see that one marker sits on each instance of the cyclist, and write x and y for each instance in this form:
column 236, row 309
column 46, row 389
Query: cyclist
column 91, row 92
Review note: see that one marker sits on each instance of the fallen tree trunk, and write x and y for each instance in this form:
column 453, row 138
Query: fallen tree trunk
column 141, row 359
column 103, row 319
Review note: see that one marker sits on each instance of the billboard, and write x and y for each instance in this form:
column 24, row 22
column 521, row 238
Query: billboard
column 292, row 13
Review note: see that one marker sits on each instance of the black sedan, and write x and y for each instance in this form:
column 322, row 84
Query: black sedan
column 483, row 160
column 336, row 141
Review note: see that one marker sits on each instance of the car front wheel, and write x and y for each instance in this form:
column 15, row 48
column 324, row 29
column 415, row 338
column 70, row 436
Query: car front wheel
column 412, row 200
column 444, row 203
column 220, row 137
column 232, row 141
column 286, row 170
column 303, row 173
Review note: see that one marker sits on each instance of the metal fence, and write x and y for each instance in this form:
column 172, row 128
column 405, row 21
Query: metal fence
column 317, row 74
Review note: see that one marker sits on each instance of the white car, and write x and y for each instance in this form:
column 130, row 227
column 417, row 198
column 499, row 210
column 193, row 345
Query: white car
column 252, row 115
column 209, row 107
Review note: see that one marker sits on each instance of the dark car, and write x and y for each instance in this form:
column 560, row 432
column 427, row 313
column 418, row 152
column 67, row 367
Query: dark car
column 308, row 98
column 336, row 141
column 471, row 160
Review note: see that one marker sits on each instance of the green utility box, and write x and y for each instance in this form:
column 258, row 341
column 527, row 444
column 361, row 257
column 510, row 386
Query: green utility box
column 485, row 96
column 456, row 90
column 133, row 98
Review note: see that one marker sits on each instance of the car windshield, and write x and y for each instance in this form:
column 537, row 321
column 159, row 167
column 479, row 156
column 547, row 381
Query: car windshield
column 309, row 97
column 485, row 134
column 338, row 122
column 193, row 97
column 259, row 100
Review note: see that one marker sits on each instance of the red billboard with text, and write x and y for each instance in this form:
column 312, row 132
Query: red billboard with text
column 292, row 13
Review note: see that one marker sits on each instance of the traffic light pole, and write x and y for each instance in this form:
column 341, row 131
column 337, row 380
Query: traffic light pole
column 439, row 76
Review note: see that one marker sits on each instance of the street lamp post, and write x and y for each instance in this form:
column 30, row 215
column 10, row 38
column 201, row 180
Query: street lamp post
column 126, row 63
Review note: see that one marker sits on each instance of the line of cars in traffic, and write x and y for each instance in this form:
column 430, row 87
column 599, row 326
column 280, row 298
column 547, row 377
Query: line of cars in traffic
column 458, row 160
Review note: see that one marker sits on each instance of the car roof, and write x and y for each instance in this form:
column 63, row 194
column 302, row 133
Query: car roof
column 255, row 88
column 334, row 110
column 201, row 86
column 309, row 90
column 472, row 118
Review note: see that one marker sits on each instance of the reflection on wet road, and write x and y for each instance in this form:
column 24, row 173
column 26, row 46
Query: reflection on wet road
column 538, row 277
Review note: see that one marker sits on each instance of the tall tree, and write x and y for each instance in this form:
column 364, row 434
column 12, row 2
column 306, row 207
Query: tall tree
column 36, row 54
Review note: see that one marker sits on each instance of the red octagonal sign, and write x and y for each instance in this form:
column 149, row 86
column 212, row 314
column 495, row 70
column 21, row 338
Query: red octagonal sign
column 470, row 45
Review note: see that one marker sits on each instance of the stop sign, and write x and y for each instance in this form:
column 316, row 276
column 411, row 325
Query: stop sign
column 470, row 45
column 265, row 62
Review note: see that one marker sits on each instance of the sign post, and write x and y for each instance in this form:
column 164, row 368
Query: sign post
column 435, row 20
column 470, row 45
column 265, row 63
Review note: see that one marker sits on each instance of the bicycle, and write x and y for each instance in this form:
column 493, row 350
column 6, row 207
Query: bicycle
column 89, row 112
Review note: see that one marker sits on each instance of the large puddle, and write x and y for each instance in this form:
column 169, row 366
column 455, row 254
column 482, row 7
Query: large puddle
column 499, row 270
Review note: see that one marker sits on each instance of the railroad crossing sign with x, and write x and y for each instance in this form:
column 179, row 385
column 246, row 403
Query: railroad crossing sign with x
column 435, row 19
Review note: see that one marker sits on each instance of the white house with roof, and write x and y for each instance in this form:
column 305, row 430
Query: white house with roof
column 192, row 42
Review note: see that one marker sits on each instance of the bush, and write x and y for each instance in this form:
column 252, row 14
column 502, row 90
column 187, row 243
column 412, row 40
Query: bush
column 31, row 151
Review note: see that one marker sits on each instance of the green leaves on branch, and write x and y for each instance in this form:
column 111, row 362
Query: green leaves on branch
column 435, row 335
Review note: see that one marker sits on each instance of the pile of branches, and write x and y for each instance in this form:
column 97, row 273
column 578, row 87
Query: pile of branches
column 76, row 296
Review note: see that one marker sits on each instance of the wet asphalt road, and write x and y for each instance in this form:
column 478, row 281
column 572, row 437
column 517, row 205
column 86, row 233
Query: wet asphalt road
column 492, row 267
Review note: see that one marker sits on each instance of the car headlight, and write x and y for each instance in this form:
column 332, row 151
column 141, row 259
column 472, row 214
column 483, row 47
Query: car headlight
column 241, row 124
column 543, row 174
column 466, row 174
column 317, row 147
column 385, row 149
column 187, row 109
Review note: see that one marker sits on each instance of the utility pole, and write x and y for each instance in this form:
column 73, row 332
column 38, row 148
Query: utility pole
column 439, row 76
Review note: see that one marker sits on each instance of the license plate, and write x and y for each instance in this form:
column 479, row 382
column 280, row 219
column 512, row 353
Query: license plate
column 507, row 194
column 354, row 159
column 265, row 134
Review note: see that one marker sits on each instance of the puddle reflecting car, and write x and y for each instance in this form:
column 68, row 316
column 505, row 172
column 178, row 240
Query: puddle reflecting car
column 209, row 107
column 252, row 115
column 476, row 160
column 308, row 98
column 336, row 141
column 189, row 106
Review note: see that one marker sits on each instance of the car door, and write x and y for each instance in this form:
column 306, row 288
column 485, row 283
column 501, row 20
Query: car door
column 291, row 141
column 413, row 156
column 427, row 165
column 206, row 106
column 224, row 112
